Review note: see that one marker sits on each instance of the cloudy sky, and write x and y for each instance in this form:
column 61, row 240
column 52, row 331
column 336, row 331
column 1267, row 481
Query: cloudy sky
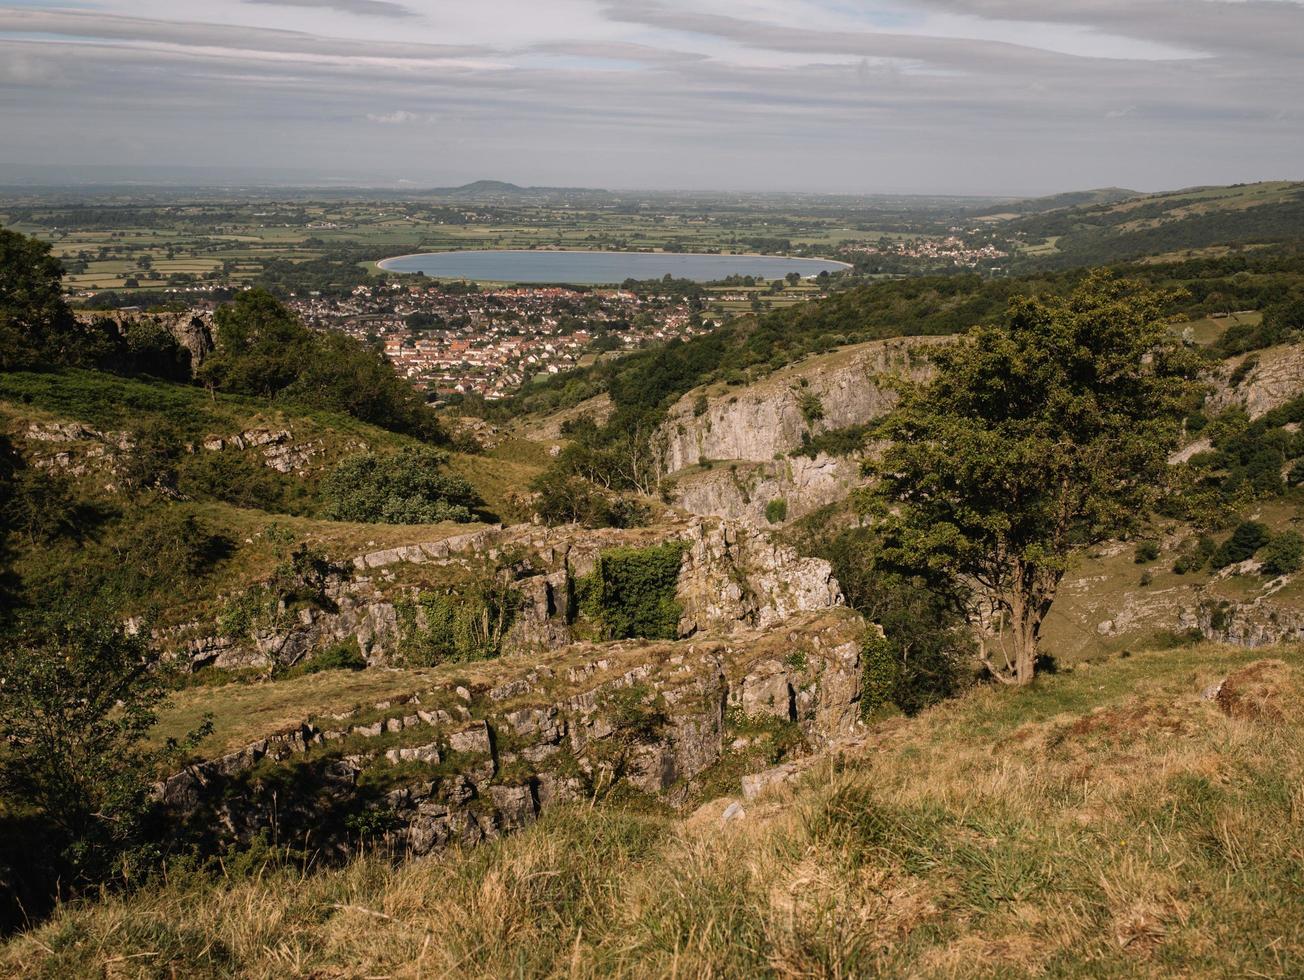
column 931, row 96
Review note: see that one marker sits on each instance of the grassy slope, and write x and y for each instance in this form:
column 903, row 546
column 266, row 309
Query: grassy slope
column 1109, row 822
column 109, row 403
column 1168, row 223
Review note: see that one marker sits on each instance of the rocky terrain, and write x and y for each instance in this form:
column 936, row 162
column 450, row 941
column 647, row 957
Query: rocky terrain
column 1259, row 381
column 731, row 452
column 479, row 750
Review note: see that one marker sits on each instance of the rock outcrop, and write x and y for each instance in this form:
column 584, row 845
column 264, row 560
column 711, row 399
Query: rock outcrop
column 1275, row 377
column 731, row 577
column 769, row 418
column 1258, row 623
column 743, row 491
column 192, row 330
column 452, row 763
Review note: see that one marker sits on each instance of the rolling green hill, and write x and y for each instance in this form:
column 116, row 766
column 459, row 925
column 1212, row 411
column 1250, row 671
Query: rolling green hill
column 1170, row 224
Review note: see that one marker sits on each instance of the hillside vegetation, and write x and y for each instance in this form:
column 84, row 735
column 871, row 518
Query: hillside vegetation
column 1158, row 224
column 1112, row 821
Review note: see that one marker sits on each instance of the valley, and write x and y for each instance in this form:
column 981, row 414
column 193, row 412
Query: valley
column 653, row 594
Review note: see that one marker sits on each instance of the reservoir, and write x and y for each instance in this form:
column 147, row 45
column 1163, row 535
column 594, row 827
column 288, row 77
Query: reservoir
column 601, row 268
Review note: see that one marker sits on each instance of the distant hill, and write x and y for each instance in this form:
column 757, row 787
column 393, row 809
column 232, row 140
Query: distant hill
column 1170, row 224
column 502, row 191
column 1056, row 202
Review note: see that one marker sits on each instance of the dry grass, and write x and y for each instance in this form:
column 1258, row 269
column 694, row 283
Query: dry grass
column 1110, row 822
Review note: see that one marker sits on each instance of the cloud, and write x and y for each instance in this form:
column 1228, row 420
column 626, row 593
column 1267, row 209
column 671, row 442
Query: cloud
column 963, row 95
column 399, row 117
column 364, row 8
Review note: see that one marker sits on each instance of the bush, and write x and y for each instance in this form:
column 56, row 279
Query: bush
column 835, row 442
column 465, row 624
column 41, row 505
column 1284, row 554
column 77, row 702
column 1146, row 551
column 880, row 676
column 928, row 643
column 407, row 487
column 1248, row 538
column 169, row 551
column 631, row 592
column 776, row 511
column 1192, row 559
column 345, row 655
column 812, row 409
column 240, row 478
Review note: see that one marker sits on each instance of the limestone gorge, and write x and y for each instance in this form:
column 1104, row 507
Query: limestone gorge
column 885, row 623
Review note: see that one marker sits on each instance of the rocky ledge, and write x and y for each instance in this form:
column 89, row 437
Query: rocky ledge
column 484, row 748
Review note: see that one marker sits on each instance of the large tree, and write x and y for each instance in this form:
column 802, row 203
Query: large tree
column 35, row 323
column 1032, row 439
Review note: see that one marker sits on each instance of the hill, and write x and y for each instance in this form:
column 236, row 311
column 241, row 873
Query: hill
column 1169, row 224
column 1131, row 817
column 1055, row 202
column 503, row 192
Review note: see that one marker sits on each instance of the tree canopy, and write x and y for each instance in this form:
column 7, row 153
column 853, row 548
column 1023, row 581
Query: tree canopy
column 1033, row 438
column 263, row 350
column 408, row 487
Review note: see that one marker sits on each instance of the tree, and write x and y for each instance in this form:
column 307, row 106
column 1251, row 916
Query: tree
column 35, row 323
column 77, row 700
column 1032, row 439
column 260, row 346
column 262, row 349
column 408, row 487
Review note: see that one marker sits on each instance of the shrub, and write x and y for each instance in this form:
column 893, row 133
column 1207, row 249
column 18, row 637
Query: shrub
column 631, row 592
column 240, row 478
column 1248, row 538
column 776, row 511
column 812, row 409
column 464, row 624
column 1193, row 558
column 168, row 550
column 1284, row 554
column 408, row 487
column 1146, row 551
column 77, row 701
column 835, row 442
column 345, row 655
column 1243, row 370
column 151, row 461
column 41, row 505
column 880, row 676
column 927, row 640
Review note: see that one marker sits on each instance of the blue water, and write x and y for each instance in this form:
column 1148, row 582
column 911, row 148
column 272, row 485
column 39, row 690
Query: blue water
column 601, row 268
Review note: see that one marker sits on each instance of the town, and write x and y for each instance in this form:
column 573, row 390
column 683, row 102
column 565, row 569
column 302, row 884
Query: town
column 952, row 249
column 457, row 339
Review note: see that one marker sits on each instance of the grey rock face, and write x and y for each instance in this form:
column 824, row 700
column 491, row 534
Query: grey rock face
column 649, row 715
column 765, row 419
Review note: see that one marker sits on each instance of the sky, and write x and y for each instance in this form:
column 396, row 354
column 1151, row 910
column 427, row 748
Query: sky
column 827, row 96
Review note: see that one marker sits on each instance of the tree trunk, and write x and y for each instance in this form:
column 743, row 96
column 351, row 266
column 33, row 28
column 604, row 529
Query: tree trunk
column 1026, row 625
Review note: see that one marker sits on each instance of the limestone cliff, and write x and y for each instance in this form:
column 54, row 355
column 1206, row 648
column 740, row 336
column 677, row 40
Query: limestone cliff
column 731, row 577
column 743, row 491
column 1265, row 380
column 770, row 417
